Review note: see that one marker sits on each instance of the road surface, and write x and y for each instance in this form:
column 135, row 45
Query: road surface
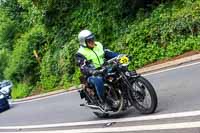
column 178, row 93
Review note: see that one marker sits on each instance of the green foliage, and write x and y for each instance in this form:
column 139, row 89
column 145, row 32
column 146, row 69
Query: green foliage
column 7, row 31
column 4, row 56
column 12, row 8
column 49, row 71
column 22, row 65
column 21, row 90
column 56, row 64
column 169, row 31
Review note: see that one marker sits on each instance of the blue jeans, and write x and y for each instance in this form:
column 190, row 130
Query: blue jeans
column 98, row 84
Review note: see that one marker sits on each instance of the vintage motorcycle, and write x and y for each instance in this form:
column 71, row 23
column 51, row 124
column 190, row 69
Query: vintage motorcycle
column 123, row 89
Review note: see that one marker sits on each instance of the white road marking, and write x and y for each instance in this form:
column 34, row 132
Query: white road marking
column 140, row 118
column 184, row 125
column 42, row 98
column 173, row 68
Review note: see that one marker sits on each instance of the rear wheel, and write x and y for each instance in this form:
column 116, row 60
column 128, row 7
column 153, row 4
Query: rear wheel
column 143, row 95
column 114, row 99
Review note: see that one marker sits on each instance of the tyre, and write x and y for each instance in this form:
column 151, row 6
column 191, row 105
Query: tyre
column 142, row 93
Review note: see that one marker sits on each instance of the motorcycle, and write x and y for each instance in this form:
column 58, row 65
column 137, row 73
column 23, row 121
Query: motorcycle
column 123, row 89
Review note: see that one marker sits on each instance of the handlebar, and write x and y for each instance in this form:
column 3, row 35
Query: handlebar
column 111, row 60
column 116, row 58
column 108, row 62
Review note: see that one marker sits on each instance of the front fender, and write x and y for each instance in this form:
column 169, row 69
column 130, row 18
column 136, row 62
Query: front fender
column 132, row 74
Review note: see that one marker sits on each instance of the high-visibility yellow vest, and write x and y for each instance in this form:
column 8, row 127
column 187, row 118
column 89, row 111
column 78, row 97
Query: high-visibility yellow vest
column 96, row 55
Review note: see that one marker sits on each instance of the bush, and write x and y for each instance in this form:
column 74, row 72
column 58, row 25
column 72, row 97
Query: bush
column 21, row 90
column 7, row 31
column 169, row 31
column 4, row 56
column 49, row 71
column 22, row 64
column 57, row 68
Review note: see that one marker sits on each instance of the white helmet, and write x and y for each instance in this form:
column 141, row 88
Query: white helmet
column 85, row 35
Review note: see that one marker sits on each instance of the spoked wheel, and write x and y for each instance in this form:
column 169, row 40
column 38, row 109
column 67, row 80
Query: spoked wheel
column 144, row 96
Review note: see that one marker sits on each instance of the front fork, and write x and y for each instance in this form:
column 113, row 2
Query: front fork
column 125, row 77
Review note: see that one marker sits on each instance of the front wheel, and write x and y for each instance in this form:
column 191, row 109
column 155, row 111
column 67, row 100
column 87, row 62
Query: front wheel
column 143, row 95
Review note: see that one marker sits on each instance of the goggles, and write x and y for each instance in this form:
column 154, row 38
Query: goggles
column 90, row 38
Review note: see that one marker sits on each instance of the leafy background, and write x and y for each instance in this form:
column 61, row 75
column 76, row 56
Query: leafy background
column 148, row 30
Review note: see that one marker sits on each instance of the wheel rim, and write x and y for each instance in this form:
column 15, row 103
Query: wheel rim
column 142, row 95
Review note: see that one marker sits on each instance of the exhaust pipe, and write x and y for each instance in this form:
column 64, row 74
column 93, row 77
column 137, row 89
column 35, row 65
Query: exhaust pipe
column 93, row 107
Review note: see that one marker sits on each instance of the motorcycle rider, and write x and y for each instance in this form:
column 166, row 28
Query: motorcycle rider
column 90, row 57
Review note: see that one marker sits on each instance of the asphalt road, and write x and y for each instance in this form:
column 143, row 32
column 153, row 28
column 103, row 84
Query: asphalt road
column 178, row 90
